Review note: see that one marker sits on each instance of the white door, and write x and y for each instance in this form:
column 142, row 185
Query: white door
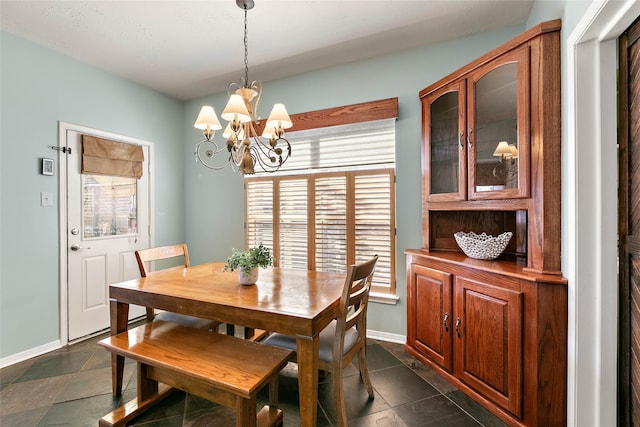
column 107, row 220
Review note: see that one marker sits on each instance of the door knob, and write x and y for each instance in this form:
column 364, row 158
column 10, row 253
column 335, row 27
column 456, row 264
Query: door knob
column 76, row 247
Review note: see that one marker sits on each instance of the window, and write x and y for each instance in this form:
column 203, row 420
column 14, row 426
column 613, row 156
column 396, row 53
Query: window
column 333, row 202
column 108, row 205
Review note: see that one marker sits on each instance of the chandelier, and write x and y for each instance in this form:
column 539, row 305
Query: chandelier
column 244, row 148
column 507, row 169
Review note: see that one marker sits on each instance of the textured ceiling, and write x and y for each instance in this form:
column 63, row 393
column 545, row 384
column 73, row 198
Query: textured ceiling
column 188, row 49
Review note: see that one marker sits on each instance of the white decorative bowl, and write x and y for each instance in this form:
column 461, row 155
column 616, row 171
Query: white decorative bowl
column 482, row 246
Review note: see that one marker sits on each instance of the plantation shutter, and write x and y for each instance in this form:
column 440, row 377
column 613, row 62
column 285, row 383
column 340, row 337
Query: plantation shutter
column 293, row 223
column 373, row 222
column 259, row 221
column 331, row 224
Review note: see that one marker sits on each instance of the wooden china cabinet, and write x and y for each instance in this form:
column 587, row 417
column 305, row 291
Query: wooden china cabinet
column 491, row 163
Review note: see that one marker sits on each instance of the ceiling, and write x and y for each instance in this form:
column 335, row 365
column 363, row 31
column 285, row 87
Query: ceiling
column 187, row 49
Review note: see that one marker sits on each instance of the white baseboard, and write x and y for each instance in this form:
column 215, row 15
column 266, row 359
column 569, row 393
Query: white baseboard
column 386, row 336
column 28, row 354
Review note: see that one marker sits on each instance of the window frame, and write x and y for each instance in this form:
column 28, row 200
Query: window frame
column 349, row 114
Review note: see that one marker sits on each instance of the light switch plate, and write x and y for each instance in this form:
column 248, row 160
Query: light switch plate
column 46, row 198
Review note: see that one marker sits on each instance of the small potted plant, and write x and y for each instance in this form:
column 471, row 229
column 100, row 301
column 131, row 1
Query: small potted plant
column 247, row 263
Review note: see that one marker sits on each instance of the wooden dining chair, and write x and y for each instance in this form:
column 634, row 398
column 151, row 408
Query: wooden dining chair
column 346, row 336
column 145, row 256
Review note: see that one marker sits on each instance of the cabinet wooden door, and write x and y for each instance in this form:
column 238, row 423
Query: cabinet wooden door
column 430, row 314
column 498, row 127
column 444, row 148
column 488, row 341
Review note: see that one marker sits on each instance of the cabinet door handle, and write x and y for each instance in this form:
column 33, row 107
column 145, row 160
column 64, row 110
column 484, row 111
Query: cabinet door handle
column 458, row 324
column 460, row 139
column 469, row 138
column 446, row 318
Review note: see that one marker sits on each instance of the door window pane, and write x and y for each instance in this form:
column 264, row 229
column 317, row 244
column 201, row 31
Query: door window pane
column 109, row 205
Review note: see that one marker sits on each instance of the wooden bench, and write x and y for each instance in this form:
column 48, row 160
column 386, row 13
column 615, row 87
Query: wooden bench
column 224, row 369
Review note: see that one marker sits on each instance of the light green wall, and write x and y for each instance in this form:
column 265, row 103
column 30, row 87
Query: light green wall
column 203, row 207
column 215, row 217
column 40, row 88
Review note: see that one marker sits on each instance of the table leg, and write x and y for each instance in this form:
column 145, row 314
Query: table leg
column 307, row 349
column 119, row 318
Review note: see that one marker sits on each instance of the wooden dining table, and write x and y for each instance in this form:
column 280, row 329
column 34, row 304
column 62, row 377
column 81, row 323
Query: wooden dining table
column 294, row 302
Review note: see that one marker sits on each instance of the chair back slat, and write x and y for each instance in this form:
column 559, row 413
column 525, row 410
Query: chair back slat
column 144, row 256
column 353, row 303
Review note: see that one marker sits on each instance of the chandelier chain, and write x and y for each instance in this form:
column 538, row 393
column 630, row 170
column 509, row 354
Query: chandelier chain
column 246, row 49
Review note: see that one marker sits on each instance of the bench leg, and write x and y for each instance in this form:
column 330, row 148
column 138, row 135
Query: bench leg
column 270, row 415
column 122, row 415
column 147, row 388
column 149, row 394
column 273, row 392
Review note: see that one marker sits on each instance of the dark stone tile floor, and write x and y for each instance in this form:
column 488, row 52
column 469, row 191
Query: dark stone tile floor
column 72, row 387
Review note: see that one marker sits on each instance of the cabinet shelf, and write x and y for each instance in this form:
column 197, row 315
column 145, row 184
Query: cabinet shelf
column 508, row 268
column 475, row 205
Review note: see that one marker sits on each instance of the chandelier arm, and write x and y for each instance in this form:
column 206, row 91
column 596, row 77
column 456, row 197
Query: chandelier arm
column 267, row 167
column 236, row 155
column 210, row 154
column 263, row 148
column 257, row 86
column 268, row 152
column 216, row 148
column 504, row 171
column 232, row 88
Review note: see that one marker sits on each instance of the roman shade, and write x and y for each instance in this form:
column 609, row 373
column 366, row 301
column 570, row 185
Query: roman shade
column 106, row 157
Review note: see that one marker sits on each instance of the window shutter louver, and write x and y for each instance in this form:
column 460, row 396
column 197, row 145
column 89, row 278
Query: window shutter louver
column 373, row 222
column 293, row 223
column 259, row 221
column 331, row 224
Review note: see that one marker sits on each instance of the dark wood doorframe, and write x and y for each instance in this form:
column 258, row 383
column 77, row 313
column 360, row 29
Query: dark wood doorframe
column 629, row 226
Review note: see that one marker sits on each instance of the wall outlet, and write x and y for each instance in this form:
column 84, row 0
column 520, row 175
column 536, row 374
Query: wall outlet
column 46, row 199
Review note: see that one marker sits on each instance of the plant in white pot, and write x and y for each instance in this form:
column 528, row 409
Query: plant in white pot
column 247, row 263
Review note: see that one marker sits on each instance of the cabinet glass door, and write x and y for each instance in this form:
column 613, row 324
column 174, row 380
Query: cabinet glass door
column 498, row 129
column 444, row 146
